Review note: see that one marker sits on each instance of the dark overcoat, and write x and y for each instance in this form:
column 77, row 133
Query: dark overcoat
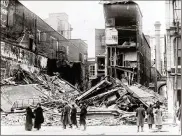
column 83, row 114
column 39, row 118
column 140, row 114
column 29, row 117
column 66, row 115
column 150, row 116
column 73, row 116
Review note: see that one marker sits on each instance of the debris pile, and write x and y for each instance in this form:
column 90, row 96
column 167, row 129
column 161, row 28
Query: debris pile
column 42, row 86
column 126, row 98
column 13, row 119
column 115, row 95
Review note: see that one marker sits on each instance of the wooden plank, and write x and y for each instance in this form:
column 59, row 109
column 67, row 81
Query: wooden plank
column 91, row 90
column 117, row 67
column 132, row 92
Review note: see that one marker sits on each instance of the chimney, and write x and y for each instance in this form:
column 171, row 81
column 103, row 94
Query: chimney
column 157, row 46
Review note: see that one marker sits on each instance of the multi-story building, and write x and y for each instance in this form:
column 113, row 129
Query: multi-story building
column 28, row 41
column 128, row 54
column 173, row 54
column 59, row 21
column 100, row 51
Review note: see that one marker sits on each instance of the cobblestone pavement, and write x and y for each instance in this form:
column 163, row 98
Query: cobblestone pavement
column 91, row 130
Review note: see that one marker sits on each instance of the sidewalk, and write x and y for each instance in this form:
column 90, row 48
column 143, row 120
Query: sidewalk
column 91, row 130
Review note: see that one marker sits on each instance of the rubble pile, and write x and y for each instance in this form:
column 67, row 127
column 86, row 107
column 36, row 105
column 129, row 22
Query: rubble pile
column 50, row 88
column 13, row 119
column 105, row 121
column 115, row 95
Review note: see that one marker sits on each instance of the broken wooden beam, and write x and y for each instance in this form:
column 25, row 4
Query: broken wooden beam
column 91, row 90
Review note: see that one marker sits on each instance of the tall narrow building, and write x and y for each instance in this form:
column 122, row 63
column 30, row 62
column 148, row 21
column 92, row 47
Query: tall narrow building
column 173, row 54
column 60, row 23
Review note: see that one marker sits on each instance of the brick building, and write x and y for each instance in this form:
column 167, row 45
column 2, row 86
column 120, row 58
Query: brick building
column 28, row 41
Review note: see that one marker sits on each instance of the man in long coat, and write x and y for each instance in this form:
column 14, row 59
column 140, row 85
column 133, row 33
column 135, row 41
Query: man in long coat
column 66, row 116
column 150, row 116
column 29, row 117
column 140, row 114
column 179, row 117
column 39, row 118
column 73, row 115
column 83, row 114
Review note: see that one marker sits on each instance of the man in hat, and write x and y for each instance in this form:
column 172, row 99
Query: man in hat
column 140, row 114
column 66, row 116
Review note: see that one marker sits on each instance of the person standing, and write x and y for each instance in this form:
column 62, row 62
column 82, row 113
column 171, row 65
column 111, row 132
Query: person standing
column 66, row 116
column 39, row 118
column 140, row 114
column 73, row 115
column 150, row 116
column 179, row 117
column 83, row 114
column 29, row 117
column 158, row 118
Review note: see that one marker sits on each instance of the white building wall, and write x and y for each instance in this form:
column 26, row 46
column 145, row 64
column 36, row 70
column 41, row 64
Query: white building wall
column 162, row 50
column 170, row 53
column 59, row 21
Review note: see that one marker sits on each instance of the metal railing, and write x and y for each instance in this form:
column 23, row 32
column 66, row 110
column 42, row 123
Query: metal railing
column 23, row 103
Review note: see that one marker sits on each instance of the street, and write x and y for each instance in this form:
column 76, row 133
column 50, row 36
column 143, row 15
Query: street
column 91, row 130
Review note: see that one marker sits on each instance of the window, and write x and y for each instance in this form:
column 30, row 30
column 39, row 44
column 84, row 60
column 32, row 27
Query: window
column 179, row 61
column 43, row 37
column 38, row 36
column 92, row 70
column 62, row 32
column 57, row 45
column 103, row 41
column 80, row 57
column 101, row 63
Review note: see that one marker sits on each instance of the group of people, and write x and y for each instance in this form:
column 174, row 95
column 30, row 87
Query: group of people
column 154, row 116
column 68, row 116
column 37, row 115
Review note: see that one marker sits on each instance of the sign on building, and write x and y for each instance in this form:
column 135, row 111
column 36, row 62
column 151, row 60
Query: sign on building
column 111, row 36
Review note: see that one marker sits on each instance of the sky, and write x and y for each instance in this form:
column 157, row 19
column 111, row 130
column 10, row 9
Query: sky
column 86, row 16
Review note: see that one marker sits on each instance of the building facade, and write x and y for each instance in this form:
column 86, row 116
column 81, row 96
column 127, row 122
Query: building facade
column 100, row 49
column 128, row 54
column 29, row 41
column 173, row 54
column 60, row 23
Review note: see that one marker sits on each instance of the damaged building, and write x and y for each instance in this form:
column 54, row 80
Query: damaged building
column 128, row 53
column 28, row 41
